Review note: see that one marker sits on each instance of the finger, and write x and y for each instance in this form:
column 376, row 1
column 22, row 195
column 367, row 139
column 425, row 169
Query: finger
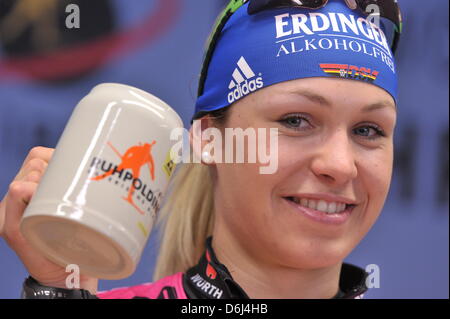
column 33, row 164
column 41, row 152
column 19, row 195
column 31, row 175
column 2, row 217
column 33, row 171
column 34, row 177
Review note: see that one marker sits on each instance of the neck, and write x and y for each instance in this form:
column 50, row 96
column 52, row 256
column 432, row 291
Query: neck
column 263, row 280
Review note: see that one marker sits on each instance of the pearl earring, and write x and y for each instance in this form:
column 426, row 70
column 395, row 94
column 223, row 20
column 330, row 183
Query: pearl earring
column 207, row 158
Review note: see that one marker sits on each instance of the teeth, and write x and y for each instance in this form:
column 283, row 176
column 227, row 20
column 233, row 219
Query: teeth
column 304, row 202
column 332, row 209
column 312, row 203
column 321, row 205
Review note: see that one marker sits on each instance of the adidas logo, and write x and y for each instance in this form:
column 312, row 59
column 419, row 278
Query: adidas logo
column 241, row 85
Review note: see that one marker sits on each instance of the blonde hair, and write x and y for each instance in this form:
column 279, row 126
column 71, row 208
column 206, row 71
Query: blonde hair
column 185, row 220
column 186, row 217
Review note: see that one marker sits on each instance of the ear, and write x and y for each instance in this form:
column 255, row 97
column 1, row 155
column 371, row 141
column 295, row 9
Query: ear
column 195, row 137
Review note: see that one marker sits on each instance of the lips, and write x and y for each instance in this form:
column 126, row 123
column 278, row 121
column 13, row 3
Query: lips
column 329, row 207
column 332, row 210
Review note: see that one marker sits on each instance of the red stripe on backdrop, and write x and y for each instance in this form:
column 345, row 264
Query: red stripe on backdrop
column 78, row 59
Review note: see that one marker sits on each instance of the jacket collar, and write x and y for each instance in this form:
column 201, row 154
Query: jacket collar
column 210, row 279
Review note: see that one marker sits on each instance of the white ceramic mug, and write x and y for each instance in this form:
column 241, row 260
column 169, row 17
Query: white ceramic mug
column 97, row 201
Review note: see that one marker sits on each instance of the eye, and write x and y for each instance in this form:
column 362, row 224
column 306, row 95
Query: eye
column 370, row 132
column 295, row 121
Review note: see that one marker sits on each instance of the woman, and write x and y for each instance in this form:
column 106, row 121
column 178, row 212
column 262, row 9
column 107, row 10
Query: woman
column 325, row 79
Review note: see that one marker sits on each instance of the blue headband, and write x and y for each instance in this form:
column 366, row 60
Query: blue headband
column 285, row 44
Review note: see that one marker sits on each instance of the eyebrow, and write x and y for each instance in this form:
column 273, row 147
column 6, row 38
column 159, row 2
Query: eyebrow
column 318, row 99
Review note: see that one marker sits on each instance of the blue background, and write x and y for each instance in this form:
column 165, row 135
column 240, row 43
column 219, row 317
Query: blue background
column 409, row 242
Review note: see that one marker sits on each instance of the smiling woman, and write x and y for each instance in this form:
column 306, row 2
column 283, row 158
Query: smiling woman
column 335, row 166
column 335, row 146
column 230, row 231
column 285, row 235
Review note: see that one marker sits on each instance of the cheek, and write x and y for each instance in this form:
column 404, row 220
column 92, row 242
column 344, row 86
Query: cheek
column 244, row 199
column 241, row 185
column 375, row 178
column 377, row 173
column 249, row 184
column 293, row 155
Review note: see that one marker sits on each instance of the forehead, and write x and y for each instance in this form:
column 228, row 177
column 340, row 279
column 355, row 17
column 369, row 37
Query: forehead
column 324, row 91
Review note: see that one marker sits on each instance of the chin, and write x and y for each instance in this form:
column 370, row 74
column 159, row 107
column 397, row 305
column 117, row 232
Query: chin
column 314, row 253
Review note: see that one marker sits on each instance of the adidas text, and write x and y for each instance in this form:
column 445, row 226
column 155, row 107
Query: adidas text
column 245, row 88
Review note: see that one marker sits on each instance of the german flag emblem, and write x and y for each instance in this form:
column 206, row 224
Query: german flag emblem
column 350, row 71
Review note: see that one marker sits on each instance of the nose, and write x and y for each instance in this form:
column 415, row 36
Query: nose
column 334, row 161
